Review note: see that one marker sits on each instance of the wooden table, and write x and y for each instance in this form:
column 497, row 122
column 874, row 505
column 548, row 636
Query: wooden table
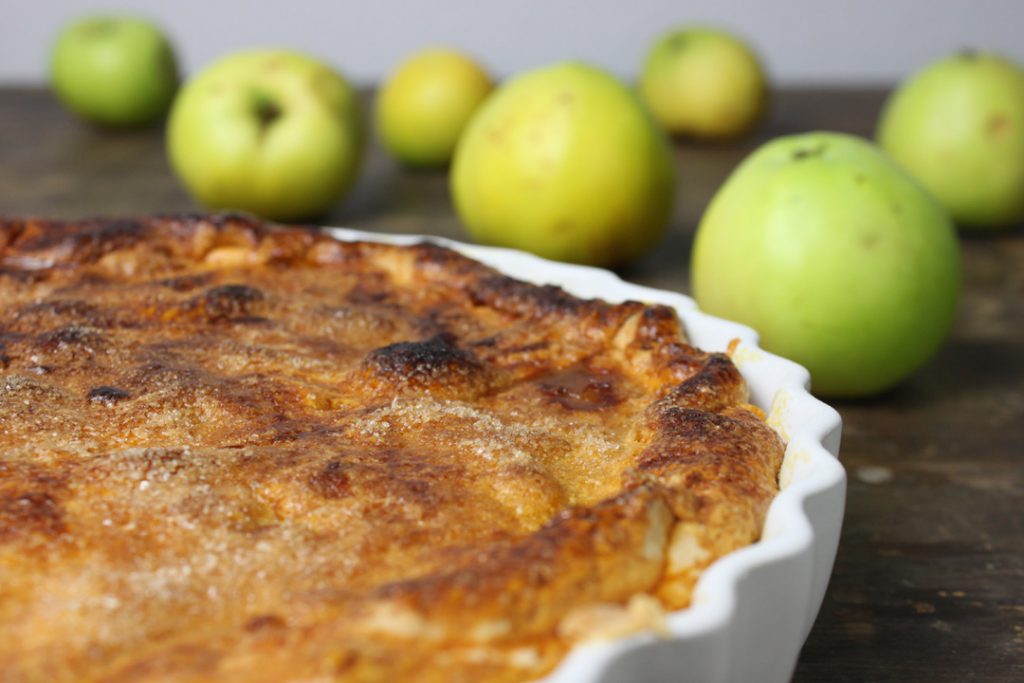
column 929, row 581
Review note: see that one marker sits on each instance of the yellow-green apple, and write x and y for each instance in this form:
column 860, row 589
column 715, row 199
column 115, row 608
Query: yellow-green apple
column 426, row 103
column 836, row 256
column 271, row 132
column 958, row 127
column 565, row 162
column 705, row 83
column 115, row 70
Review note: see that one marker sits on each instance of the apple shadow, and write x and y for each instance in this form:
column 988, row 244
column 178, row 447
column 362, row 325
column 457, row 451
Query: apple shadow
column 963, row 368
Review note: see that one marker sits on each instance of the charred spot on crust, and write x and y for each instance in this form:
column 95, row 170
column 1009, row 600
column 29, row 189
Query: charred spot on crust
column 30, row 512
column 186, row 283
column 70, row 335
column 434, row 361
column 332, row 480
column 107, row 395
column 230, row 301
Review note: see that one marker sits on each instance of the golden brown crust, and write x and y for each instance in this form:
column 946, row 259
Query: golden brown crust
column 240, row 452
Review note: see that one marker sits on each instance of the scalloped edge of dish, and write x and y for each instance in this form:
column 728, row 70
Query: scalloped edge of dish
column 753, row 608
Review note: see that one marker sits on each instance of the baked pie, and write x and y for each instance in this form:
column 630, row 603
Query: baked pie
column 233, row 451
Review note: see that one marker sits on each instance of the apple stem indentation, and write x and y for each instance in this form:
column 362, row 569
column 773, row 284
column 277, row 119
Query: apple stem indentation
column 808, row 152
column 678, row 42
column 267, row 110
column 101, row 28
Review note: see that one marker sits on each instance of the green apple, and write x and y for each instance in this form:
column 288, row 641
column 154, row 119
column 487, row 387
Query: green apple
column 426, row 103
column 958, row 127
column 705, row 83
column 838, row 258
column 114, row 70
column 275, row 133
column 565, row 162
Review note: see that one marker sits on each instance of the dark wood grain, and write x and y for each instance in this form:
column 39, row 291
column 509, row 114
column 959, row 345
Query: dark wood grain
column 929, row 581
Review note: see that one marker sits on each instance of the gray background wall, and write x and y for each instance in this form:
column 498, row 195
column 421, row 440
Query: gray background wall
column 801, row 41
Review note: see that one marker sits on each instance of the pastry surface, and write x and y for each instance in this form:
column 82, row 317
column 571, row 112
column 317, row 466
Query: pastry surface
column 233, row 451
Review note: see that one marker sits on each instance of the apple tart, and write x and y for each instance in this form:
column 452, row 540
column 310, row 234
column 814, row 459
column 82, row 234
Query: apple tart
column 235, row 451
